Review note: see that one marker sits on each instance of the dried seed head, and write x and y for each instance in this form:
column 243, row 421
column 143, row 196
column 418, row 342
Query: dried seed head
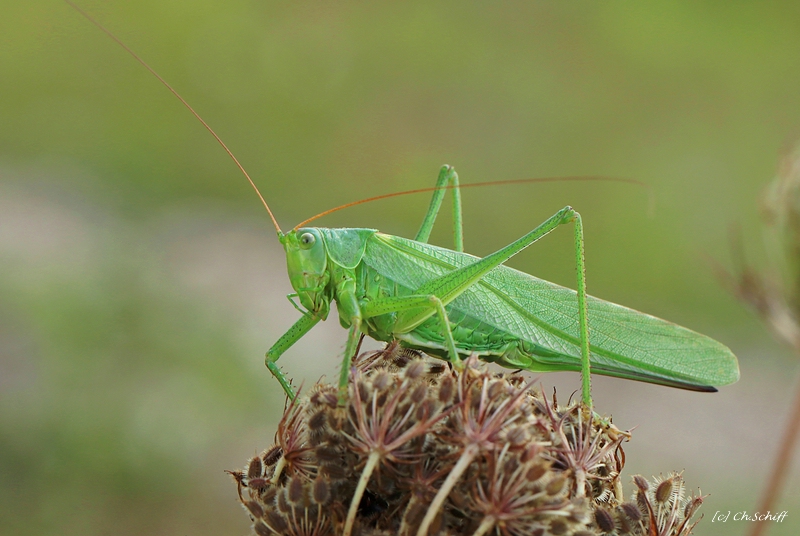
column 257, row 483
column 326, row 453
column 277, row 522
column 691, row 507
column 524, row 456
column 271, row 456
column 664, row 491
column 558, row 527
column 283, row 503
column 631, row 511
column 496, row 389
column 640, row 482
column 317, row 422
column 322, row 491
column 517, row 436
column 381, row 399
column 555, row 486
column 295, row 491
column 626, row 526
column 381, row 380
column 401, row 358
column 435, row 369
column 415, row 369
column 536, row 472
column 363, row 391
column 447, row 387
column 255, row 468
column 324, row 398
column 262, row 530
column 334, row 471
column 604, row 520
column 419, row 393
column 255, row 509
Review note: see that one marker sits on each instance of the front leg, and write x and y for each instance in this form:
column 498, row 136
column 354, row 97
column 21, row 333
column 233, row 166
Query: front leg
column 353, row 337
column 349, row 315
column 295, row 333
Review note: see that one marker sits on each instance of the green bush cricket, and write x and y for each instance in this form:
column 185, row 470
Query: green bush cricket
column 451, row 304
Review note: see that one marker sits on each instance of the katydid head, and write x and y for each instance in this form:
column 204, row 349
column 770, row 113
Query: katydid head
column 307, row 262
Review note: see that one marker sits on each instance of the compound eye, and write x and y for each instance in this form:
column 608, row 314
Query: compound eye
column 307, row 240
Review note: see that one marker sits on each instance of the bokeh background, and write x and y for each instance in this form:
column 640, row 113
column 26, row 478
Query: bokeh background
column 142, row 282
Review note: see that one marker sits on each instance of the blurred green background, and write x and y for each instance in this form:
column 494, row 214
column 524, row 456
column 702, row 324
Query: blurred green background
column 142, row 281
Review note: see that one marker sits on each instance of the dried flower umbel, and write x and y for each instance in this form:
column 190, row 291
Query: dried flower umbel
column 420, row 449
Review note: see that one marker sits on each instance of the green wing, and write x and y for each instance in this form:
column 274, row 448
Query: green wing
column 624, row 342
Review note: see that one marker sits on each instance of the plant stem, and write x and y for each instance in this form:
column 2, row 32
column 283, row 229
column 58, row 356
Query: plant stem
column 486, row 525
column 372, row 462
column 466, row 458
column 276, row 475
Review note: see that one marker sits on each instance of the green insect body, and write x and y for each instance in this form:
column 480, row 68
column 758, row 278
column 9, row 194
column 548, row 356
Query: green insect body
column 451, row 304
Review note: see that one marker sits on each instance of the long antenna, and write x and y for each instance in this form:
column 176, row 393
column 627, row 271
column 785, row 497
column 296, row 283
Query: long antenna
column 472, row 185
column 169, row 87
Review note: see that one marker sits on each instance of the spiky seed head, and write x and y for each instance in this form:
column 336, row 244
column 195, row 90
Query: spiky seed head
column 295, row 491
column 447, row 388
column 435, row 369
column 282, row 502
column 255, row 468
column 317, row 422
column 691, row 507
column 381, row 380
column 631, row 511
column 324, row 397
column 415, row 369
column 496, row 388
column 262, row 530
column 401, row 359
column 255, row 509
column 364, row 391
column 334, row 471
column 523, row 474
column 277, row 522
column 419, row 393
column 327, row 453
column 642, row 501
column 517, row 436
column 664, row 491
column 556, row 485
column 268, row 496
column 558, row 527
column 626, row 526
column 271, row 456
column 536, row 472
column 257, row 483
column 322, row 491
column 604, row 519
